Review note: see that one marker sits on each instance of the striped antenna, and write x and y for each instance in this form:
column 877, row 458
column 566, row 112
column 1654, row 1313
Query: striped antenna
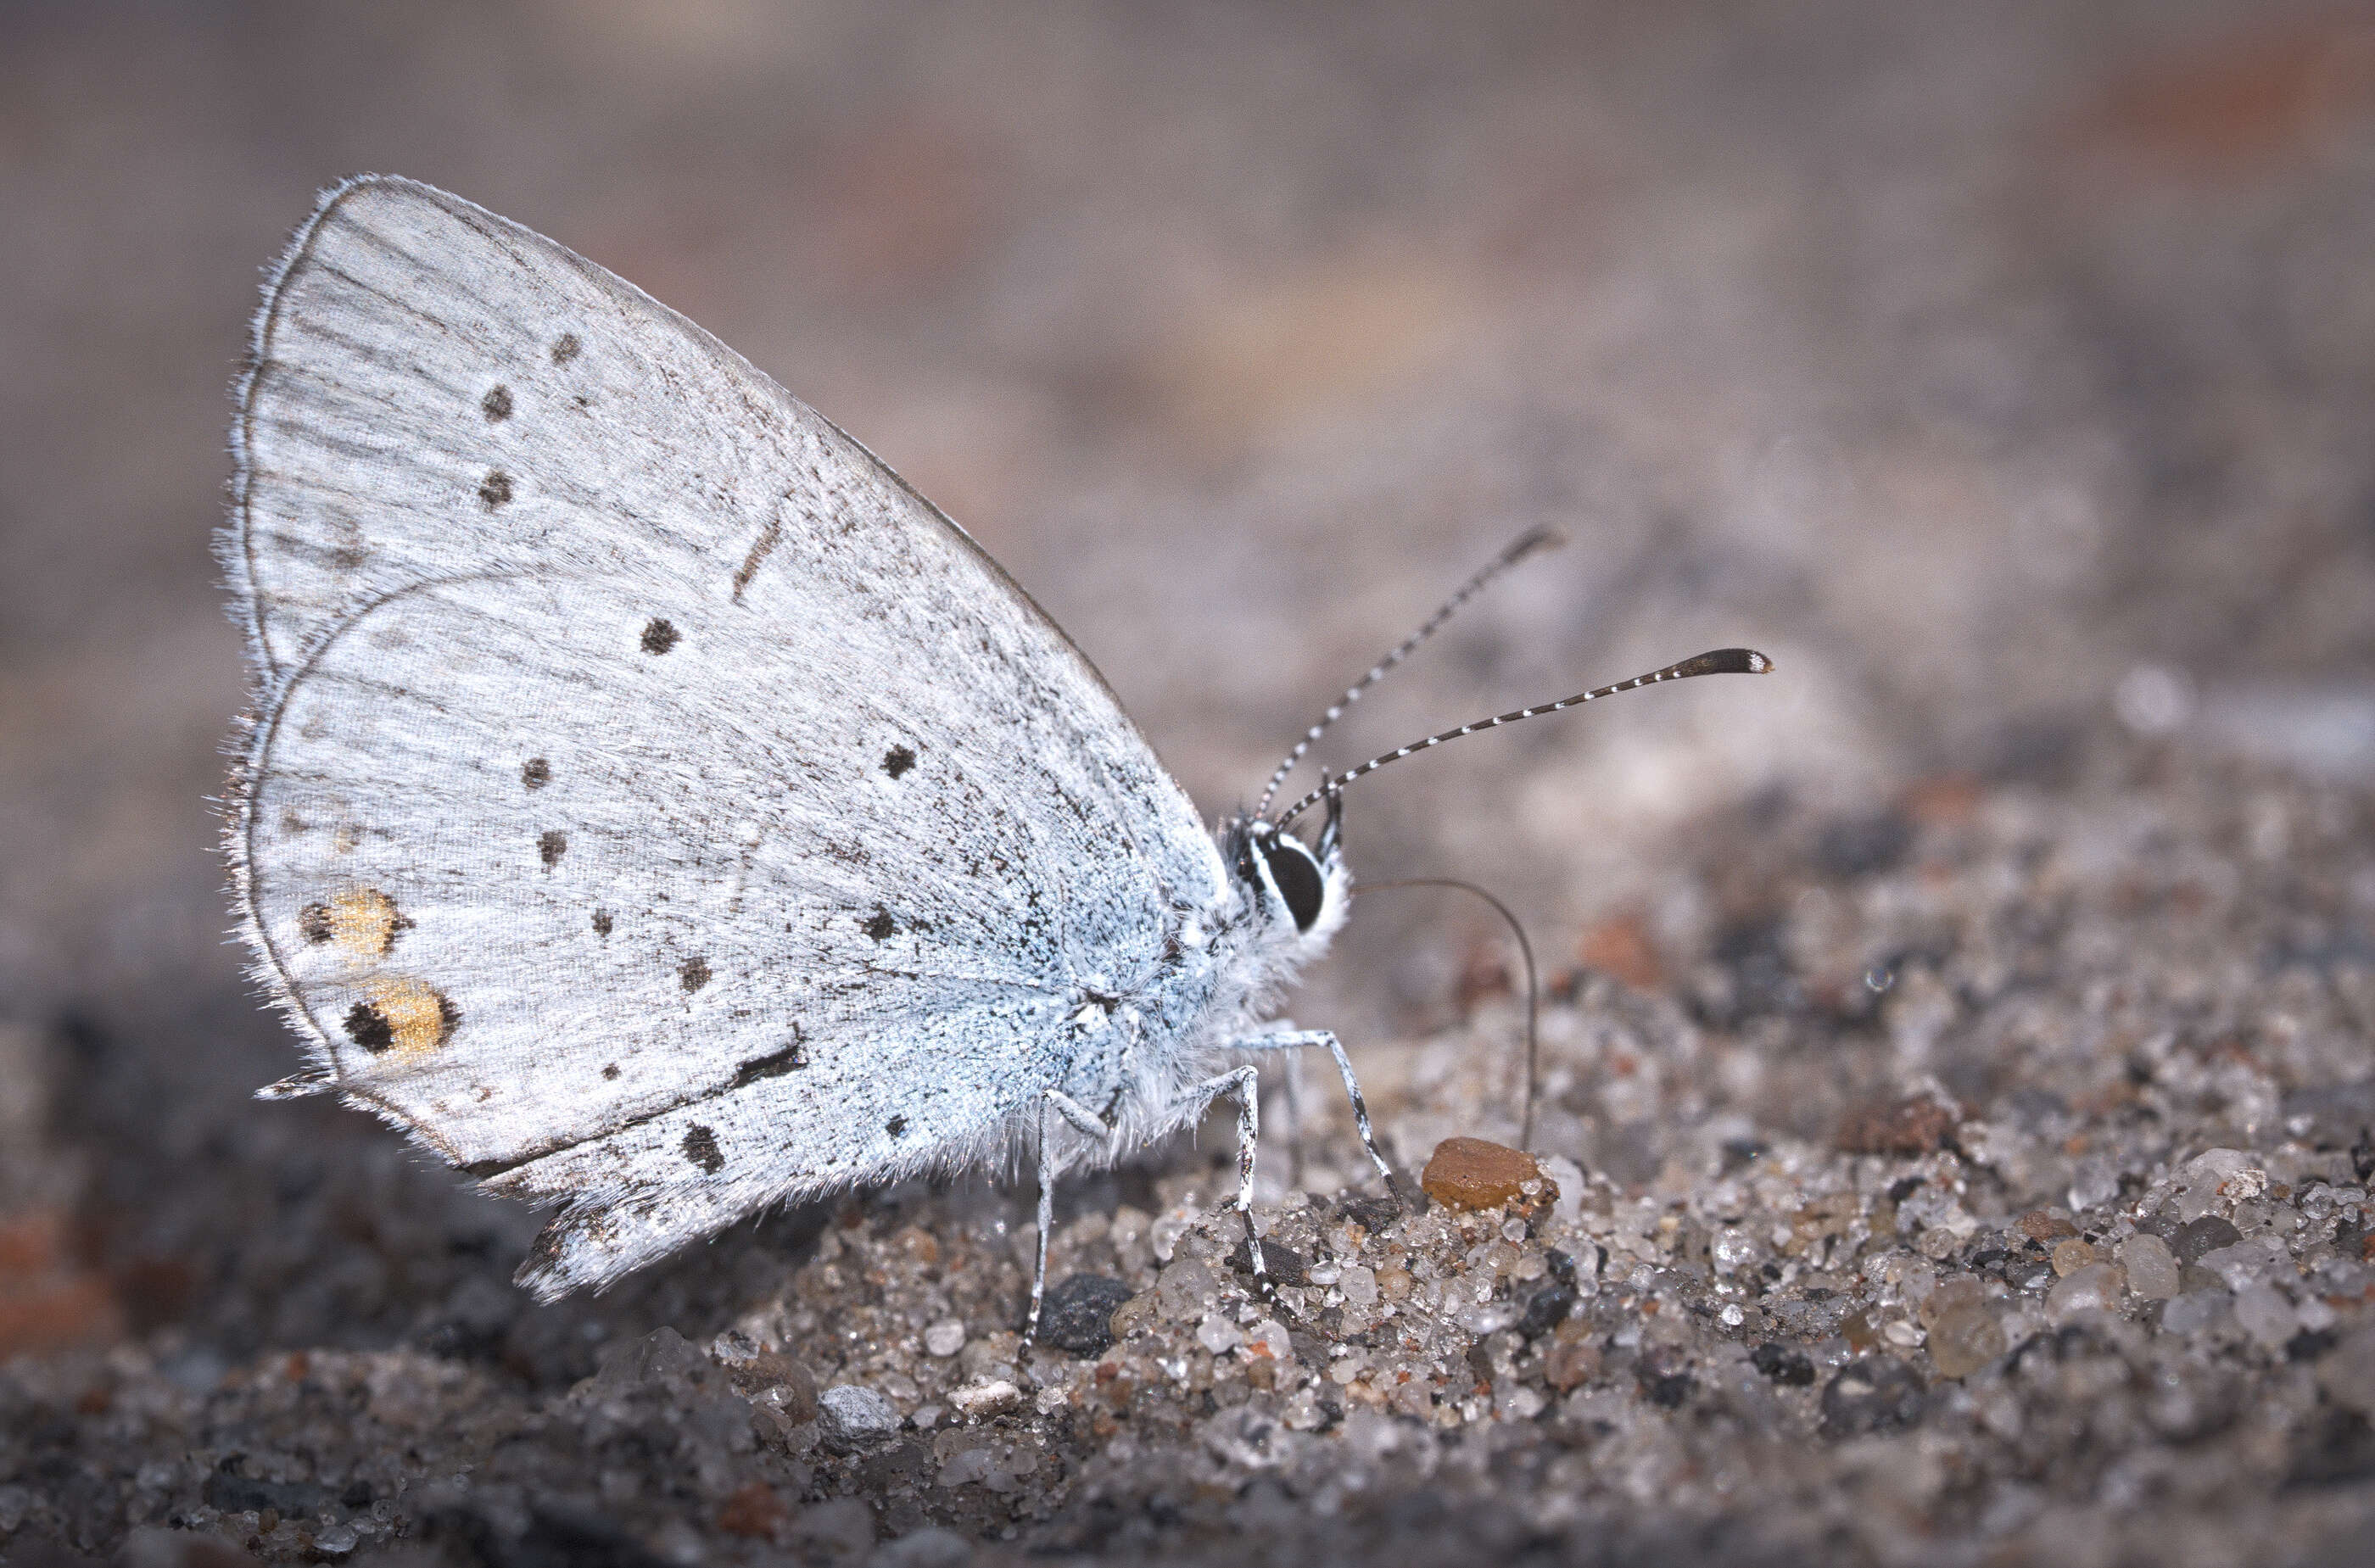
column 1721, row 661
column 1539, row 538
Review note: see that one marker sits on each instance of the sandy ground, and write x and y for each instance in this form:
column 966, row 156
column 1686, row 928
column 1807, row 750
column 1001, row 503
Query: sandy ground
column 1956, row 1078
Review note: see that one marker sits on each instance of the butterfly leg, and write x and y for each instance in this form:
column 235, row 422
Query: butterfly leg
column 1296, row 1040
column 1241, row 1084
column 1051, row 1167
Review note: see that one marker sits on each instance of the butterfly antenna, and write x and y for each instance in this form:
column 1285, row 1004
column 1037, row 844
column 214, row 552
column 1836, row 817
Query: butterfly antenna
column 1526, row 545
column 1720, row 661
column 1533, row 987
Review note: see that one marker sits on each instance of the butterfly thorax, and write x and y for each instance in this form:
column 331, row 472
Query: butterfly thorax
column 1224, row 964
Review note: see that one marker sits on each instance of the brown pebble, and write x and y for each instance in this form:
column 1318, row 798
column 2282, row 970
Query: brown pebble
column 2040, row 1226
column 1574, row 1357
column 1966, row 1339
column 772, row 1369
column 1467, row 1173
column 1917, row 1124
column 754, row 1513
column 2070, row 1257
column 1961, row 1291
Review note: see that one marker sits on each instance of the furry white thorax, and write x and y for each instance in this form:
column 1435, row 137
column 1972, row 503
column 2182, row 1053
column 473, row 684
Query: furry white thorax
column 1235, row 959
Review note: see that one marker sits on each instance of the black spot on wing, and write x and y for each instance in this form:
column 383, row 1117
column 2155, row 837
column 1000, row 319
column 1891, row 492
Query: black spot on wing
column 693, row 973
column 551, row 844
column 660, row 634
column 609, row 1069
column 535, row 772
column 313, row 923
column 496, row 405
column 566, row 347
column 495, row 490
column 897, row 760
column 601, row 923
column 776, row 1063
column 881, row 925
column 368, row 1027
column 701, row 1147
column 895, row 1125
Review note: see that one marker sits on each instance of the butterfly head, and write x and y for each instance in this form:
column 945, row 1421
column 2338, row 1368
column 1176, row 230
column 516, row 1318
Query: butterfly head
column 1298, row 892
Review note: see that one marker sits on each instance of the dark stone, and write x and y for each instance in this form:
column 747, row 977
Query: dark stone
column 1077, row 1314
column 1785, row 1366
column 1548, row 1309
column 1374, row 1215
column 2205, row 1235
column 1286, row 1266
column 1669, row 1390
column 1872, row 1395
column 2309, row 1344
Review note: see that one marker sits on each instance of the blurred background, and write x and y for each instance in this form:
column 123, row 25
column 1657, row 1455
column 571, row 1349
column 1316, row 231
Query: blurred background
column 2003, row 370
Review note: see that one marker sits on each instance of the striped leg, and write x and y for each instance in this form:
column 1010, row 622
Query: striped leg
column 1299, row 1039
column 1051, row 1166
column 1240, row 1083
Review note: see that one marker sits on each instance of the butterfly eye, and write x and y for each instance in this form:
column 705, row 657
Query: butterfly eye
column 1297, row 871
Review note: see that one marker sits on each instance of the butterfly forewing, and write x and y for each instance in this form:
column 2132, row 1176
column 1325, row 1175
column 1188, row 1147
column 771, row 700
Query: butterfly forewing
column 653, row 804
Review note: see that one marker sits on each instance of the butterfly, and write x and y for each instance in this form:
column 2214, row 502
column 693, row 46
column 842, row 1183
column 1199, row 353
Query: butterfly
column 660, row 810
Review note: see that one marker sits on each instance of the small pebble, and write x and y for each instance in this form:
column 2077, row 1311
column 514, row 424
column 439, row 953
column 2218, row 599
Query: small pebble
column 1467, row 1173
column 1791, row 1368
column 1359, row 1284
column 2198, row 1238
column 851, row 1416
column 2070, row 1256
column 1574, row 1357
column 1186, row 1289
column 2196, row 1310
column 1218, row 1335
column 1871, row 1395
column 2262, row 1311
column 1964, row 1338
column 1546, row 1309
column 2152, row 1267
column 978, row 1400
column 2093, row 1288
column 1961, row 1291
column 2040, row 1226
column 945, row 1339
column 1078, row 1314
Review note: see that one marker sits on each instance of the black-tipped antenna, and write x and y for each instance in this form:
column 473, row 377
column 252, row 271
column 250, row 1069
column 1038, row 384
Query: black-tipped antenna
column 1526, row 545
column 1719, row 661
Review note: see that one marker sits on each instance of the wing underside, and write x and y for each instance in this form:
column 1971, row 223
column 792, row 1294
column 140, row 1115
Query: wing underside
column 652, row 805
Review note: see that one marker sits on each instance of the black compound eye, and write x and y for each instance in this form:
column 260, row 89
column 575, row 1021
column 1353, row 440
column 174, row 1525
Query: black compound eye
column 1296, row 872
